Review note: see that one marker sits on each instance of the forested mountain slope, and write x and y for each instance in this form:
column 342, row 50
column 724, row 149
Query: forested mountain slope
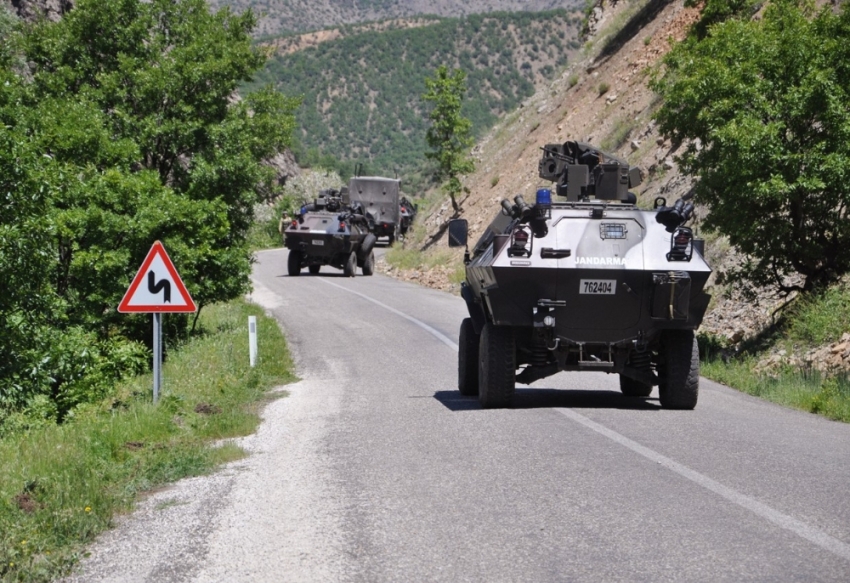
column 286, row 16
column 362, row 90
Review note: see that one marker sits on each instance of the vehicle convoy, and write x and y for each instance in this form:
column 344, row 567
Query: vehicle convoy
column 584, row 282
column 380, row 198
column 330, row 231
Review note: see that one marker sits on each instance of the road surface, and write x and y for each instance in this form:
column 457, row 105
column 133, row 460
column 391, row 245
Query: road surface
column 375, row 469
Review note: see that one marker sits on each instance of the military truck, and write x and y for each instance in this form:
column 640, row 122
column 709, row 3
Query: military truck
column 380, row 198
column 583, row 281
column 330, row 231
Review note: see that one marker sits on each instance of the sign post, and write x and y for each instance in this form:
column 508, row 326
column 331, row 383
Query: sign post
column 163, row 292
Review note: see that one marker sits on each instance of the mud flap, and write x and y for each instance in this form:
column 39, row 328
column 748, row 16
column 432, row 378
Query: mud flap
column 476, row 312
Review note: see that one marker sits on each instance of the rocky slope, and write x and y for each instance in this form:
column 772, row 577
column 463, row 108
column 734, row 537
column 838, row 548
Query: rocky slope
column 603, row 99
column 31, row 10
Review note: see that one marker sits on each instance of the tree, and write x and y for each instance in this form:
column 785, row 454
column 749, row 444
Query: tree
column 762, row 106
column 125, row 128
column 449, row 136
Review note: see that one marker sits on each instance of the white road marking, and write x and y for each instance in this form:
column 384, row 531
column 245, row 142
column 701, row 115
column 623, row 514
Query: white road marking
column 801, row 529
column 789, row 523
column 436, row 333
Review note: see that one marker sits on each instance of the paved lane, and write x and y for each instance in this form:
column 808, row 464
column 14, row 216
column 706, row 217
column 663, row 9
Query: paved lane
column 376, row 469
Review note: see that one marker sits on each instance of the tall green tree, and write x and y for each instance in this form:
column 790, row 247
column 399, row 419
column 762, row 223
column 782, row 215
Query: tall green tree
column 762, row 107
column 450, row 134
column 125, row 128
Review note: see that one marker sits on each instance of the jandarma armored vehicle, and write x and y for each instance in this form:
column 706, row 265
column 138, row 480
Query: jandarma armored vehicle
column 583, row 281
column 330, row 231
column 380, row 200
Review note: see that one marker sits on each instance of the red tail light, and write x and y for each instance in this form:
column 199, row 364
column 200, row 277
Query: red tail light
column 341, row 226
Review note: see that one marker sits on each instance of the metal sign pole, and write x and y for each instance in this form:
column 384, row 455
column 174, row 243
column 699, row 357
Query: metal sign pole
column 157, row 355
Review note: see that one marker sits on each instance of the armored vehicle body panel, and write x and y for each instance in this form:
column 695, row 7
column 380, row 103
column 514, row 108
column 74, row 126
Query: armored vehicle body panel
column 593, row 283
column 380, row 198
column 327, row 232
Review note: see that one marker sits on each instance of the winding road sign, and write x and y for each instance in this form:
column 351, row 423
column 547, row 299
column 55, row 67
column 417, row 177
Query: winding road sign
column 157, row 287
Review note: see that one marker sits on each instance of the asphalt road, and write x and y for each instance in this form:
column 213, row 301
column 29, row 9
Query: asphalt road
column 375, row 469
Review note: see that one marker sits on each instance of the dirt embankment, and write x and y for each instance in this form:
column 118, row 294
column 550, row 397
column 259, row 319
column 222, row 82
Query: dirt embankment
column 603, row 99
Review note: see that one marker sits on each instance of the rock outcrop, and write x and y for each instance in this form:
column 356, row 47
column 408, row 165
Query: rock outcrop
column 32, row 10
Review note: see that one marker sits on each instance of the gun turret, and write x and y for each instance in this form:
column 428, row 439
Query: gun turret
column 579, row 171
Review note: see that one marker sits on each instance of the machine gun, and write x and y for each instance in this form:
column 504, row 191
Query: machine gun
column 580, row 171
column 673, row 218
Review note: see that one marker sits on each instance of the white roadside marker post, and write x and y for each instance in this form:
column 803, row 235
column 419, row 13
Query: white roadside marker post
column 252, row 340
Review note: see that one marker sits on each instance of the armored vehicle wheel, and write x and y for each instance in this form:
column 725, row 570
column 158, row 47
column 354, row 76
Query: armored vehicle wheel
column 497, row 366
column 314, row 269
column 467, row 359
column 293, row 262
column 369, row 264
column 632, row 388
column 350, row 267
column 679, row 370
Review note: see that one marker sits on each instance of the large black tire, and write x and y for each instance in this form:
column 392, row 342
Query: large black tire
column 632, row 388
column 369, row 264
column 314, row 269
column 350, row 267
column 496, row 366
column 678, row 369
column 467, row 359
column 293, row 262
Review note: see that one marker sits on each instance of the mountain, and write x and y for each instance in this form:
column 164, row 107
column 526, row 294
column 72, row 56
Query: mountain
column 288, row 16
column 362, row 84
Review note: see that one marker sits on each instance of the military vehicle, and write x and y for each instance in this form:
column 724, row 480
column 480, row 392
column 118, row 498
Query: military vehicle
column 583, row 281
column 380, row 198
column 330, row 231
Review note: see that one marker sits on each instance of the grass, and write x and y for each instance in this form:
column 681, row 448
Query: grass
column 618, row 135
column 62, row 485
column 807, row 391
column 810, row 322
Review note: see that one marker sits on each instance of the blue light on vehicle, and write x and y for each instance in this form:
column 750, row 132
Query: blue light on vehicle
column 544, row 197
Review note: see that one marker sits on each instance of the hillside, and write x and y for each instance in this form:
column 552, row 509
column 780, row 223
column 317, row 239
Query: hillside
column 362, row 87
column 601, row 98
column 288, row 16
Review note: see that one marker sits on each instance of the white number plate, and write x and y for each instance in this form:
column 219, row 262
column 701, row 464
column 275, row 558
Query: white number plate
column 598, row 286
column 318, row 242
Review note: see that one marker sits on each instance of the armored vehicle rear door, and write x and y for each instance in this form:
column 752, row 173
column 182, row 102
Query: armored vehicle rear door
column 379, row 197
column 602, row 280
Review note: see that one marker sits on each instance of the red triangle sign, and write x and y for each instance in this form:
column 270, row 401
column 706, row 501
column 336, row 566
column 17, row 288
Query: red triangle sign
column 157, row 287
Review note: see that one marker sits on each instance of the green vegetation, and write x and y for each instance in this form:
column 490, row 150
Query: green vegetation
column 811, row 392
column 820, row 318
column 762, row 107
column 362, row 92
column 117, row 129
column 60, row 485
column 449, row 135
column 808, row 323
column 603, row 88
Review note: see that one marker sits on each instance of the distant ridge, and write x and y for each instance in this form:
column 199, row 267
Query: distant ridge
column 290, row 16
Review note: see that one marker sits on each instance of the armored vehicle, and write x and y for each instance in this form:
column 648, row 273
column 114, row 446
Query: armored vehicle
column 583, row 281
column 330, row 231
column 380, row 199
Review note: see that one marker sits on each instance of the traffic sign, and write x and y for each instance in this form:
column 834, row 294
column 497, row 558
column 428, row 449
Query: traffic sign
column 157, row 287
